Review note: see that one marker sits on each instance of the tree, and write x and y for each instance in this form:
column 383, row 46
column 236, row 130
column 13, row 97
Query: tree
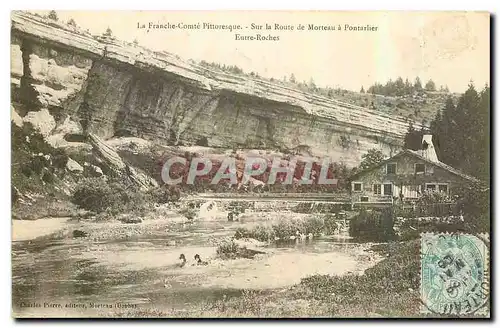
column 292, row 78
column 418, row 84
column 136, row 42
column 413, row 138
column 53, row 15
column 72, row 22
column 389, row 89
column 408, row 87
column 430, row 86
column 108, row 33
column 399, row 86
column 461, row 133
column 362, row 90
column 312, row 85
column 371, row 158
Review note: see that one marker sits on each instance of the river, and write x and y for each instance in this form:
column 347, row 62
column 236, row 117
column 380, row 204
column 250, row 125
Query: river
column 80, row 277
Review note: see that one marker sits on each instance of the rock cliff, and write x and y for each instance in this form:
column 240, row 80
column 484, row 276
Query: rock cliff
column 114, row 88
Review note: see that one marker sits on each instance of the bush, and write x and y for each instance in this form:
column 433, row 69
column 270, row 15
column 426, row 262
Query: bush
column 97, row 195
column 433, row 197
column 474, row 202
column 242, row 233
column 373, row 226
column 227, row 249
column 330, row 224
column 412, row 227
column 161, row 195
column 94, row 195
column 259, row 232
column 190, row 211
column 314, row 225
column 59, row 159
column 30, row 170
column 283, row 229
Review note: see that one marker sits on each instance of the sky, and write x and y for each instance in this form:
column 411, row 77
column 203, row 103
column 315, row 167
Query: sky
column 452, row 48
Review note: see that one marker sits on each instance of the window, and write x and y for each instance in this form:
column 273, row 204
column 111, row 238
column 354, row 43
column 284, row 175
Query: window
column 430, row 186
column 377, row 189
column 356, row 186
column 419, row 168
column 391, row 168
column 443, row 188
column 411, row 191
column 364, row 198
column 388, row 189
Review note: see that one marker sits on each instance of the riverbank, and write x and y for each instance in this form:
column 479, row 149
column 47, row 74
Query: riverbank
column 158, row 219
column 25, row 230
column 388, row 289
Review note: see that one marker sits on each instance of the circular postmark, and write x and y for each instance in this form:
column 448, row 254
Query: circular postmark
column 454, row 277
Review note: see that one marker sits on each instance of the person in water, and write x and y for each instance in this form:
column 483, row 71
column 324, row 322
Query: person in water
column 183, row 260
column 198, row 260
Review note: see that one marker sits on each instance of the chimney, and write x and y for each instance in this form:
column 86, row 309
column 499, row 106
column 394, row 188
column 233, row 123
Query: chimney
column 428, row 151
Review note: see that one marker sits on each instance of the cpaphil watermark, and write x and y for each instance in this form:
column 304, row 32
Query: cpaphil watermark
column 177, row 170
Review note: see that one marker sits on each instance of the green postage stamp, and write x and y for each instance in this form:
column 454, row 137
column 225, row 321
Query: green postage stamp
column 454, row 277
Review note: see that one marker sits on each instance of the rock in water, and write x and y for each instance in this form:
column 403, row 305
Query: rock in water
column 132, row 220
column 79, row 234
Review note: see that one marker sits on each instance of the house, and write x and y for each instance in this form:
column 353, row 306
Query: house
column 406, row 176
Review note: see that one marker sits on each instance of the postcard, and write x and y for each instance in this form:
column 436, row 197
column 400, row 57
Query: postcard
column 250, row 164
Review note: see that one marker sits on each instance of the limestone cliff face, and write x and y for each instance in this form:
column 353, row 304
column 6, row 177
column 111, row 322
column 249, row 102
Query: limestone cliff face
column 118, row 89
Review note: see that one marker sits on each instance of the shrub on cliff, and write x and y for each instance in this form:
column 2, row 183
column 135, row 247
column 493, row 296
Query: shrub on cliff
column 163, row 194
column 35, row 164
column 97, row 195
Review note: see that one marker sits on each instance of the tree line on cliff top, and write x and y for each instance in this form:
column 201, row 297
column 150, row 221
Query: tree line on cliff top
column 399, row 87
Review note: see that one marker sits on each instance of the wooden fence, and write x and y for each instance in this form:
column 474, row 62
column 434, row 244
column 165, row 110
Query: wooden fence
column 426, row 210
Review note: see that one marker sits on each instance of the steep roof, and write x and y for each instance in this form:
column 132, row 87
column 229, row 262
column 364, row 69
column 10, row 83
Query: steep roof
column 417, row 155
